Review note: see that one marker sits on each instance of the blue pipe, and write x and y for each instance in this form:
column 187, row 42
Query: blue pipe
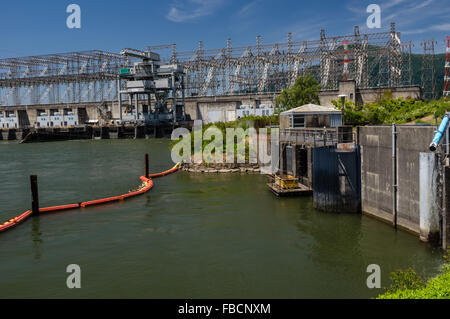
column 440, row 133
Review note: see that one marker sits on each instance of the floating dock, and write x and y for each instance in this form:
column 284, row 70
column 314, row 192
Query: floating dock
column 288, row 186
column 302, row 190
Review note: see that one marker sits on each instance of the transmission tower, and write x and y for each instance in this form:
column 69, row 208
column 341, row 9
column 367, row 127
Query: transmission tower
column 429, row 70
column 447, row 70
column 373, row 60
column 407, row 75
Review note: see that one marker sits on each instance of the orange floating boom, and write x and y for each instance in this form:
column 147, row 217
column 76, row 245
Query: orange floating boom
column 58, row 208
column 148, row 185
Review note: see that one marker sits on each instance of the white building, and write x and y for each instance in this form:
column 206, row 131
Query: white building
column 70, row 119
column 56, row 120
column 261, row 110
column 229, row 115
column 311, row 116
column 43, row 120
column 10, row 121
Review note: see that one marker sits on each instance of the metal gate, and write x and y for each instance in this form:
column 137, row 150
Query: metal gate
column 337, row 180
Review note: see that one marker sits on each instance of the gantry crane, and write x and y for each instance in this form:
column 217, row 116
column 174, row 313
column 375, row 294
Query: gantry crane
column 149, row 78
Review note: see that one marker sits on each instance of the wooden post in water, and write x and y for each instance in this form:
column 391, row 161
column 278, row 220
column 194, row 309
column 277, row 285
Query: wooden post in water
column 146, row 166
column 34, row 195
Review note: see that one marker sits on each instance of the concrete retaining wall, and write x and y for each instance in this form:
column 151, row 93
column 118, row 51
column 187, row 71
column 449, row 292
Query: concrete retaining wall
column 363, row 96
column 376, row 172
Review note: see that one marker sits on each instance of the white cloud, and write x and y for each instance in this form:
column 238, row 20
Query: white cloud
column 436, row 27
column 187, row 10
column 390, row 18
column 411, row 32
column 441, row 27
column 419, row 17
column 411, row 16
column 423, row 4
column 360, row 11
column 391, row 4
column 306, row 30
column 245, row 10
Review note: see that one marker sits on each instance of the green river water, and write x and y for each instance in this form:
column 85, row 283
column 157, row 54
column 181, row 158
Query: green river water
column 191, row 236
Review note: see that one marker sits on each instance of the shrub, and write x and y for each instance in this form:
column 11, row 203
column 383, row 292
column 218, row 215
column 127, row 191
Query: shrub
column 388, row 111
column 408, row 285
column 256, row 122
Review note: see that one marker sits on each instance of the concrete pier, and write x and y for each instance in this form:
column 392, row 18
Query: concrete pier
column 139, row 132
column 104, row 133
column 430, row 197
column 11, row 135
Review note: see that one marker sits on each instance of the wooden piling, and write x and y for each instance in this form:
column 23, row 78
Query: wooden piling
column 34, row 195
column 147, row 172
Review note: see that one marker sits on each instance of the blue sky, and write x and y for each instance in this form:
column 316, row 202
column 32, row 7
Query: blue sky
column 39, row 27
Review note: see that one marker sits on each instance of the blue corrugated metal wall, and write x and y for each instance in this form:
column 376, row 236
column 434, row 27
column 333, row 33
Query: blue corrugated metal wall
column 337, row 179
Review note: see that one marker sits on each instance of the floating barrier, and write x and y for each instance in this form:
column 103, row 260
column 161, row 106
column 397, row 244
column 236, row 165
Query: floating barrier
column 170, row 171
column 58, row 208
column 144, row 188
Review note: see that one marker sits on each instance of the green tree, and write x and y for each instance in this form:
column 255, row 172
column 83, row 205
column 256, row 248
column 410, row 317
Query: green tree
column 305, row 90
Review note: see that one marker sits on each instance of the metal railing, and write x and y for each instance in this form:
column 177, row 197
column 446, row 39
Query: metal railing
column 317, row 136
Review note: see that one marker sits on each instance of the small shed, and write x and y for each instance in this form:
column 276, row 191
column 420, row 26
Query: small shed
column 311, row 116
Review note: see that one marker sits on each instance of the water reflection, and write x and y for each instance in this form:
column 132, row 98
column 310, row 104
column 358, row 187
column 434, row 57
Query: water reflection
column 337, row 235
column 36, row 236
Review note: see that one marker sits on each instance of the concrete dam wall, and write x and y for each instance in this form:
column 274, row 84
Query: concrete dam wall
column 201, row 107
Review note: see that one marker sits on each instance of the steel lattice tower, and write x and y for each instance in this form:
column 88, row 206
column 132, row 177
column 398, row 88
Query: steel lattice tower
column 447, row 70
column 75, row 77
column 372, row 60
column 429, row 70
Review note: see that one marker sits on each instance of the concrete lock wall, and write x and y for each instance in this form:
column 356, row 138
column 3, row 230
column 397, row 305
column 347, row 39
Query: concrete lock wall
column 430, row 196
column 446, row 215
column 376, row 172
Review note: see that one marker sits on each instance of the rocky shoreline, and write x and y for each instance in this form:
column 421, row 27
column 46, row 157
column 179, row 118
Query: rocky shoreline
column 213, row 168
